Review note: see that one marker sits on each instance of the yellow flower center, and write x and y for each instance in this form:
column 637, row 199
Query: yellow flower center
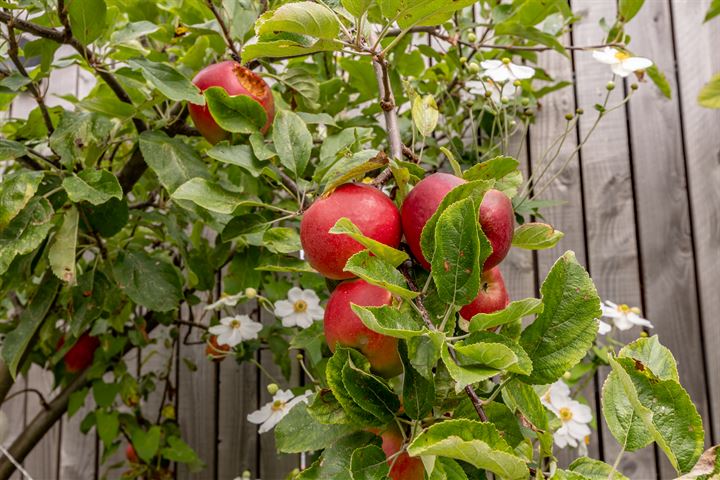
column 235, row 324
column 624, row 309
column 300, row 306
column 566, row 414
column 278, row 405
column 622, row 55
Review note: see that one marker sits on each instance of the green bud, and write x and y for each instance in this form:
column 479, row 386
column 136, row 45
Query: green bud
column 568, row 116
column 504, row 100
column 506, row 60
column 472, row 37
column 516, row 83
column 567, row 375
column 272, row 388
column 513, row 124
column 610, row 86
column 246, row 474
column 473, row 67
column 634, row 86
column 488, row 94
column 579, row 111
column 524, row 101
column 463, row 60
column 250, row 292
column 299, row 356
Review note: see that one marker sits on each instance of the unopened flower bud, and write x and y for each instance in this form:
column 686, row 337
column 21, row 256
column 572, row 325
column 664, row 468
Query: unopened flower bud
column 610, row 86
column 506, row 61
column 463, row 60
column 567, row 375
column 524, row 101
column 488, row 93
column 299, row 357
column 246, row 474
column 513, row 124
column 579, row 111
column 272, row 388
column 472, row 37
column 250, row 292
column 568, row 116
column 634, row 86
column 516, row 83
column 504, row 100
column 473, row 67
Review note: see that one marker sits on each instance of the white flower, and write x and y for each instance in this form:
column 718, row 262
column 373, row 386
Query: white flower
column 271, row 413
column 603, row 327
column 557, row 394
column 575, row 418
column 621, row 63
column 233, row 330
column 497, row 90
column 503, row 70
column 226, row 301
column 624, row 317
column 300, row 309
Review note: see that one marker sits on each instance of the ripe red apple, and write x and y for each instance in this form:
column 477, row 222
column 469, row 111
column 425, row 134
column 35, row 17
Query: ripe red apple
column 343, row 327
column 496, row 215
column 368, row 208
column 214, row 350
column 80, row 355
column 236, row 80
column 493, row 295
column 404, row 467
column 131, row 455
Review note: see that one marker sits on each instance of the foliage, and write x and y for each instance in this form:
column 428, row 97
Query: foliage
column 117, row 218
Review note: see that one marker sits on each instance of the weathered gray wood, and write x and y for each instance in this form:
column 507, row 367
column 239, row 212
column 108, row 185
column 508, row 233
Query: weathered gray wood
column 697, row 60
column 568, row 217
column 42, row 462
column 14, row 409
column 666, row 250
column 237, row 438
column 609, row 208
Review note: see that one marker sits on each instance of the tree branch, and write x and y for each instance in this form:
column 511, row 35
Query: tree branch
column 387, row 102
column 226, row 32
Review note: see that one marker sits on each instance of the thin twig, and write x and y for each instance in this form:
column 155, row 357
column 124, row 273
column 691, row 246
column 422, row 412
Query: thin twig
column 225, row 31
column 37, row 392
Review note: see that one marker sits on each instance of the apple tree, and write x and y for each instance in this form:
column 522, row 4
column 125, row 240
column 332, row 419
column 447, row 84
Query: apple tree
column 321, row 161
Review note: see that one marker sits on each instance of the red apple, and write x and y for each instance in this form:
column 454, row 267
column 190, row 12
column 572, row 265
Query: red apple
column 492, row 296
column 131, row 455
column 368, row 208
column 343, row 327
column 214, row 350
column 236, row 80
column 80, row 355
column 496, row 215
column 404, row 467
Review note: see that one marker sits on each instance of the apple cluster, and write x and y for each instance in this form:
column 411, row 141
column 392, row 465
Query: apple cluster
column 377, row 217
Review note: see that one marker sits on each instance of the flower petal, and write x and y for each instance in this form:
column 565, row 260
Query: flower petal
column 636, row 63
column 260, row 416
column 218, row 329
column 491, row 64
column 618, row 69
column 521, row 72
column 283, row 308
column 499, row 75
column 316, row 312
column 310, row 297
column 295, row 294
column 606, row 56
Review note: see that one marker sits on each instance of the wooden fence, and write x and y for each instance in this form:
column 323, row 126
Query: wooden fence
column 642, row 212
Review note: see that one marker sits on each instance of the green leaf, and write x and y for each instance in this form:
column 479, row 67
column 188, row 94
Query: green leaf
column 334, row 376
column 25, row 232
column 526, row 32
column 239, row 113
column 536, row 236
column 493, row 355
column 108, row 426
column 627, row 9
column 418, row 392
column 660, row 80
column 424, row 352
column 149, row 281
column 93, row 186
column 390, row 321
column 374, row 270
column 301, row 82
column 293, row 141
column 595, row 469
column 709, row 96
column 10, row 150
column 179, row 451
column 335, row 461
column 104, row 393
column 625, row 425
column 304, row 18
column 282, row 240
column 460, row 252
column 81, row 137
column 240, row 155
column 286, row 48
column 61, row 255
column 522, row 365
column 211, row 196
column 390, row 255
column 173, row 161
column 563, row 333
column 466, row 374
column 341, row 173
column 707, row 468
column 447, row 469
column 171, row 83
column 652, row 354
column 514, row 311
column 16, row 190
column 665, row 409
column 477, row 443
column 356, row 7
column 475, row 190
column 425, row 114
column 326, row 409
column 87, row 19
column 146, row 444
column 370, row 392
column 713, row 11
column 18, row 340
column 300, row 432
column 421, row 12
column 522, row 398
column 369, row 463
column 492, row 169
column 109, row 218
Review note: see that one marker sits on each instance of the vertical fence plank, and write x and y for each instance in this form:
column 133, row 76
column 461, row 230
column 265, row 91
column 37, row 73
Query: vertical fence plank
column 697, row 60
column 609, row 207
column 14, row 409
column 566, row 187
column 237, row 438
column 42, row 462
column 666, row 250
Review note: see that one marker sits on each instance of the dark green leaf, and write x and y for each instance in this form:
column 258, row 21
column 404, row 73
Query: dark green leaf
column 146, row 444
column 293, row 141
column 25, row 232
column 171, row 83
column 61, row 255
column 149, row 281
column 300, row 432
column 16, row 190
column 108, row 426
column 418, row 391
column 514, row 311
column 627, row 9
column 87, row 19
column 93, row 186
column 390, row 255
column 239, row 113
column 172, row 160
column 374, row 270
